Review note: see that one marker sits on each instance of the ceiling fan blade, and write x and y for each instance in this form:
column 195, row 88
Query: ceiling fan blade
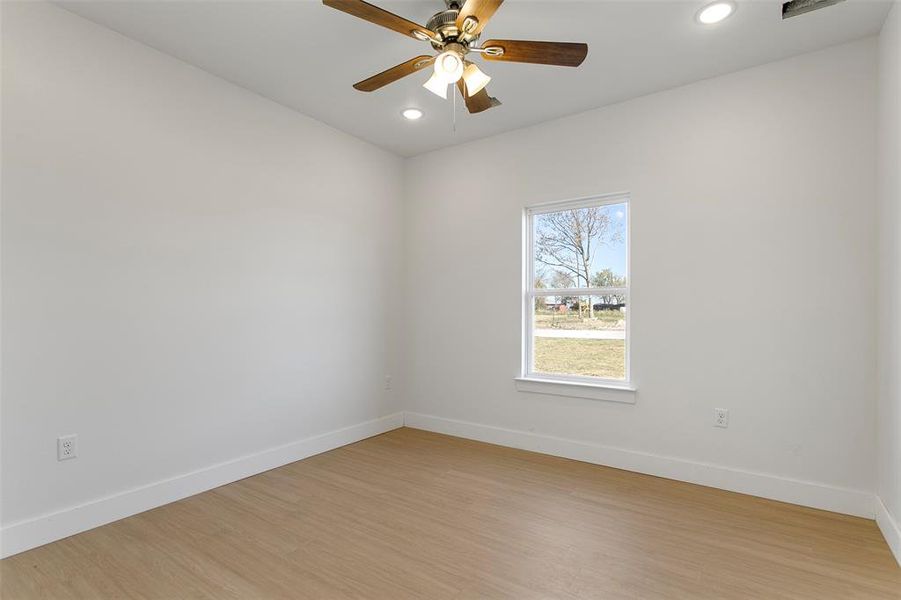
column 394, row 73
column 564, row 54
column 379, row 16
column 481, row 10
column 478, row 102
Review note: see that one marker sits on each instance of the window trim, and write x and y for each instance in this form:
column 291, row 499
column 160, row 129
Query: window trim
column 623, row 390
column 591, row 391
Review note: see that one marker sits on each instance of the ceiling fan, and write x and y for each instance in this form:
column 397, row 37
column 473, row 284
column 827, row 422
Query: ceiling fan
column 454, row 33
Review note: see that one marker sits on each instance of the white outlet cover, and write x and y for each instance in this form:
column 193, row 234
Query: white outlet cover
column 67, row 447
column 721, row 417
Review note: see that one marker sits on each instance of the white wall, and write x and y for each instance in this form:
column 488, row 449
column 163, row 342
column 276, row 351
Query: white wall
column 752, row 271
column 191, row 273
column 889, row 217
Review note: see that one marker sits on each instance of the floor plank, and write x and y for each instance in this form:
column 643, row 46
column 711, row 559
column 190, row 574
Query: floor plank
column 412, row 514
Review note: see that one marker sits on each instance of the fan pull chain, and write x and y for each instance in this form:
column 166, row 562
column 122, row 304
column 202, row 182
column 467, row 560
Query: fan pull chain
column 454, row 94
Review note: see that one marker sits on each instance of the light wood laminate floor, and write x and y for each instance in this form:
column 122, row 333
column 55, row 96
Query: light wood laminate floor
column 411, row 514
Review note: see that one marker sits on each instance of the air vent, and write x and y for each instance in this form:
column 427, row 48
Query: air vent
column 799, row 7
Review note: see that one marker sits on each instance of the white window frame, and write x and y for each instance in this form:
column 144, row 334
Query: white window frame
column 557, row 383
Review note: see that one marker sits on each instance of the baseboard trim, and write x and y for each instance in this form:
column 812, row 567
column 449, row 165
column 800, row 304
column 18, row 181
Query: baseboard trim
column 890, row 529
column 31, row 533
column 805, row 493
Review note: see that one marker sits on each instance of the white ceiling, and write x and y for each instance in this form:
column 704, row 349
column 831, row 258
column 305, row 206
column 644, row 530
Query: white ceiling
column 306, row 56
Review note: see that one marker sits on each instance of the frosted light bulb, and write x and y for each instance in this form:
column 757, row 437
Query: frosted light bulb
column 449, row 66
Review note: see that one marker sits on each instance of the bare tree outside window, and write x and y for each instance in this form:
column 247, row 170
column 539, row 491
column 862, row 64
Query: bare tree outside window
column 606, row 278
column 567, row 242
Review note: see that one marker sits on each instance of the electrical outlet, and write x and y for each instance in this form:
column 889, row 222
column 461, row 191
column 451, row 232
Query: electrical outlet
column 387, row 382
column 720, row 417
column 67, row 447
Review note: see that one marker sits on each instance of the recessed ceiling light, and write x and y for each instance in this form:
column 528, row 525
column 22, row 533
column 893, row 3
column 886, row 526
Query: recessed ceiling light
column 411, row 114
column 716, row 12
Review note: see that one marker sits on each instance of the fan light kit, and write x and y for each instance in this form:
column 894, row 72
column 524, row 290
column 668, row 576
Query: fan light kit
column 454, row 33
column 716, row 12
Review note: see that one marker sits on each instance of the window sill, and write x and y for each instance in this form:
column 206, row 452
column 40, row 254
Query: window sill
column 610, row 392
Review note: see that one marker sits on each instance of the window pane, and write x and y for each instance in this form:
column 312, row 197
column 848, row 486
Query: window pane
column 580, row 336
column 581, row 247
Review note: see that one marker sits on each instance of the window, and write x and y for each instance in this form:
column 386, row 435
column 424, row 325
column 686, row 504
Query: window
column 576, row 311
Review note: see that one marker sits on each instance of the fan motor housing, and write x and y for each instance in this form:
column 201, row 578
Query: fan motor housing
column 444, row 24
